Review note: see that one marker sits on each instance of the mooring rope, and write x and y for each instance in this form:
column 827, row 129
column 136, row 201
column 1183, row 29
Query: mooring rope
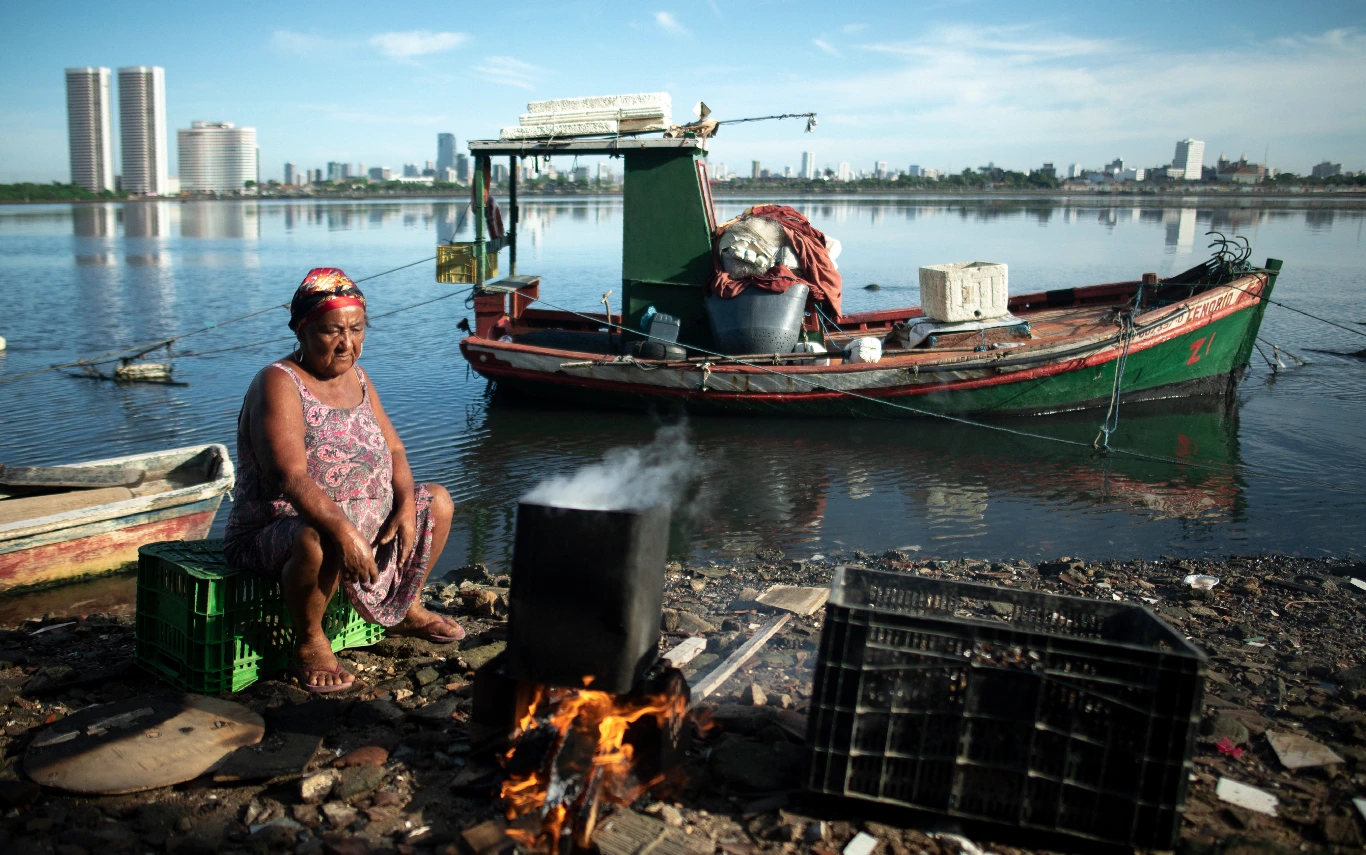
column 1111, row 422
column 135, row 351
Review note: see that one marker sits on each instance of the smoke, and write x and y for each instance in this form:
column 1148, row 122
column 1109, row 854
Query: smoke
column 628, row 479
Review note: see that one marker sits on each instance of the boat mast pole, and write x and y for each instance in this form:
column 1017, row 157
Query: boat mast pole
column 481, row 206
column 512, row 203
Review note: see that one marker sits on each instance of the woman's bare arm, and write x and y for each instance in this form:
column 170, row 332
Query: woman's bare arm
column 277, row 431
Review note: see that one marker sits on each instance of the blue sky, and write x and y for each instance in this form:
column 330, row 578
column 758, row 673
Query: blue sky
column 941, row 84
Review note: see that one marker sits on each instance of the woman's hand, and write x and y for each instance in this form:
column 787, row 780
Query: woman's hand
column 358, row 557
column 402, row 523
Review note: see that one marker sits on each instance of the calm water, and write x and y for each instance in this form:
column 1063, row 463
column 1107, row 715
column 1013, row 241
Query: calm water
column 86, row 279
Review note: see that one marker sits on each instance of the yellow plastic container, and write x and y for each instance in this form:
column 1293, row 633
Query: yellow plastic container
column 456, row 264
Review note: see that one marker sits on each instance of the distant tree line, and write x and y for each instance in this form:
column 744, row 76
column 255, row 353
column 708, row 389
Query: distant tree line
column 54, row 192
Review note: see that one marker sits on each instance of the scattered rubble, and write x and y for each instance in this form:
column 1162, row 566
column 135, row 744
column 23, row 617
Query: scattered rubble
column 1280, row 761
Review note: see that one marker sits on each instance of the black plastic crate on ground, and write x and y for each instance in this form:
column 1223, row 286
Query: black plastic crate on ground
column 1052, row 714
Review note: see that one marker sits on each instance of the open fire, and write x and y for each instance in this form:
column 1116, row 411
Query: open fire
column 575, row 751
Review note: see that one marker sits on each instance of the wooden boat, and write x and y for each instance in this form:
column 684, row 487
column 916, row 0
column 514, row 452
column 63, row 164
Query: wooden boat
column 1191, row 334
column 56, row 537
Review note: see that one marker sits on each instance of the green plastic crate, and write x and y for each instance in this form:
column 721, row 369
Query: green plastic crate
column 209, row 628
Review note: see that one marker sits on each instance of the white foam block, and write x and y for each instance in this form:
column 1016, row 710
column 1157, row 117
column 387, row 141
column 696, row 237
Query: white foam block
column 1246, row 797
column 603, row 102
column 578, row 129
column 862, row 844
column 964, row 291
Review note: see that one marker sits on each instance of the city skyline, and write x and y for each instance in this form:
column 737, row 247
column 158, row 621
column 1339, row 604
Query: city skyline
column 927, row 85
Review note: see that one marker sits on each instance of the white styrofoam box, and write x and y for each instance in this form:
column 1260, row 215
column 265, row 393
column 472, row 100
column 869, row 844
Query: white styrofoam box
column 965, row 291
column 603, row 102
column 578, row 129
column 866, row 349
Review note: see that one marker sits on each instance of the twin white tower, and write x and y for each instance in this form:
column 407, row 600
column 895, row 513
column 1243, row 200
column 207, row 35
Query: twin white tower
column 142, row 120
column 214, row 156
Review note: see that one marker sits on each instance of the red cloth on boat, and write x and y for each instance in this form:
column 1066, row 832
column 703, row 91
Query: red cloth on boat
column 818, row 270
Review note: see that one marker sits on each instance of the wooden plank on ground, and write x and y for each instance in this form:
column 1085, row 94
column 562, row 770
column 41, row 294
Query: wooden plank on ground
column 712, row 681
column 76, row 477
column 686, row 651
column 795, row 599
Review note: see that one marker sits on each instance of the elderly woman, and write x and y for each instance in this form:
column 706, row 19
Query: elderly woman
column 324, row 493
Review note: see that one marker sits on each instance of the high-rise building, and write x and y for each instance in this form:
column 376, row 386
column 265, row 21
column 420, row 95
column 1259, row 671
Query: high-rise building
column 142, row 129
column 445, row 151
column 1190, row 158
column 380, row 173
column 1321, row 170
column 336, row 171
column 410, row 170
column 89, row 132
column 844, row 172
column 880, row 170
column 217, row 157
column 1075, row 170
column 808, row 165
column 756, row 169
column 462, row 168
column 291, row 174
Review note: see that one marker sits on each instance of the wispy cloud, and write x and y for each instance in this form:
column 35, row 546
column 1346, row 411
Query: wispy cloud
column 508, row 71
column 1046, row 90
column 416, row 43
column 668, row 22
column 301, row 44
column 825, row 46
column 1016, row 41
column 850, row 29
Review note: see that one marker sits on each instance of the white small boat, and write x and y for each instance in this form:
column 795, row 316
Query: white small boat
column 76, row 533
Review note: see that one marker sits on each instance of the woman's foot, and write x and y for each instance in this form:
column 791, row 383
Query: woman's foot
column 426, row 624
column 316, row 668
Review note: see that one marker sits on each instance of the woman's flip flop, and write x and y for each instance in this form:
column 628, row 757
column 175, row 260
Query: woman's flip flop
column 304, row 674
column 436, row 630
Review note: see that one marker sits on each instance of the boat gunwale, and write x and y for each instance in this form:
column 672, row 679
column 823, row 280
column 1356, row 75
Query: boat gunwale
column 207, row 489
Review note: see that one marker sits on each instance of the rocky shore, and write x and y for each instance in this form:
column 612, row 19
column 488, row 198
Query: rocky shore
column 387, row 766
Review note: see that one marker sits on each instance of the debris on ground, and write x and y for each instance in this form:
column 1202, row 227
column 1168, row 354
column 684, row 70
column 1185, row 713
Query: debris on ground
column 387, row 767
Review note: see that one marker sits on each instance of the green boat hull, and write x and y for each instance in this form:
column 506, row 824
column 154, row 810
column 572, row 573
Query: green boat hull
column 1204, row 353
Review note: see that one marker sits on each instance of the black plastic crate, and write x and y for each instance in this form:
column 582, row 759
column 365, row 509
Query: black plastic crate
column 1051, row 714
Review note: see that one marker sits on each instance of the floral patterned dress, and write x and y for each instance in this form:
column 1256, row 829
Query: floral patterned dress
column 349, row 458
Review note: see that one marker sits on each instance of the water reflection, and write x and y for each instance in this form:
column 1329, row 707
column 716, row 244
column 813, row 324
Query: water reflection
column 220, row 220
column 94, row 220
column 799, row 485
column 149, row 219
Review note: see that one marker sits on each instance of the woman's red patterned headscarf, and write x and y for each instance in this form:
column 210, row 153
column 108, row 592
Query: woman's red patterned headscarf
column 323, row 289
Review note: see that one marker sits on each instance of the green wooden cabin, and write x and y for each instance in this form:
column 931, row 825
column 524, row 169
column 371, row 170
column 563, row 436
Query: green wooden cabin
column 666, row 255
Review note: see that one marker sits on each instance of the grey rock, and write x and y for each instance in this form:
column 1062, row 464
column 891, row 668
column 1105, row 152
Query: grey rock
column 692, row 624
column 435, row 713
column 1228, row 727
column 753, row 695
column 355, row 781
column 480, row 656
